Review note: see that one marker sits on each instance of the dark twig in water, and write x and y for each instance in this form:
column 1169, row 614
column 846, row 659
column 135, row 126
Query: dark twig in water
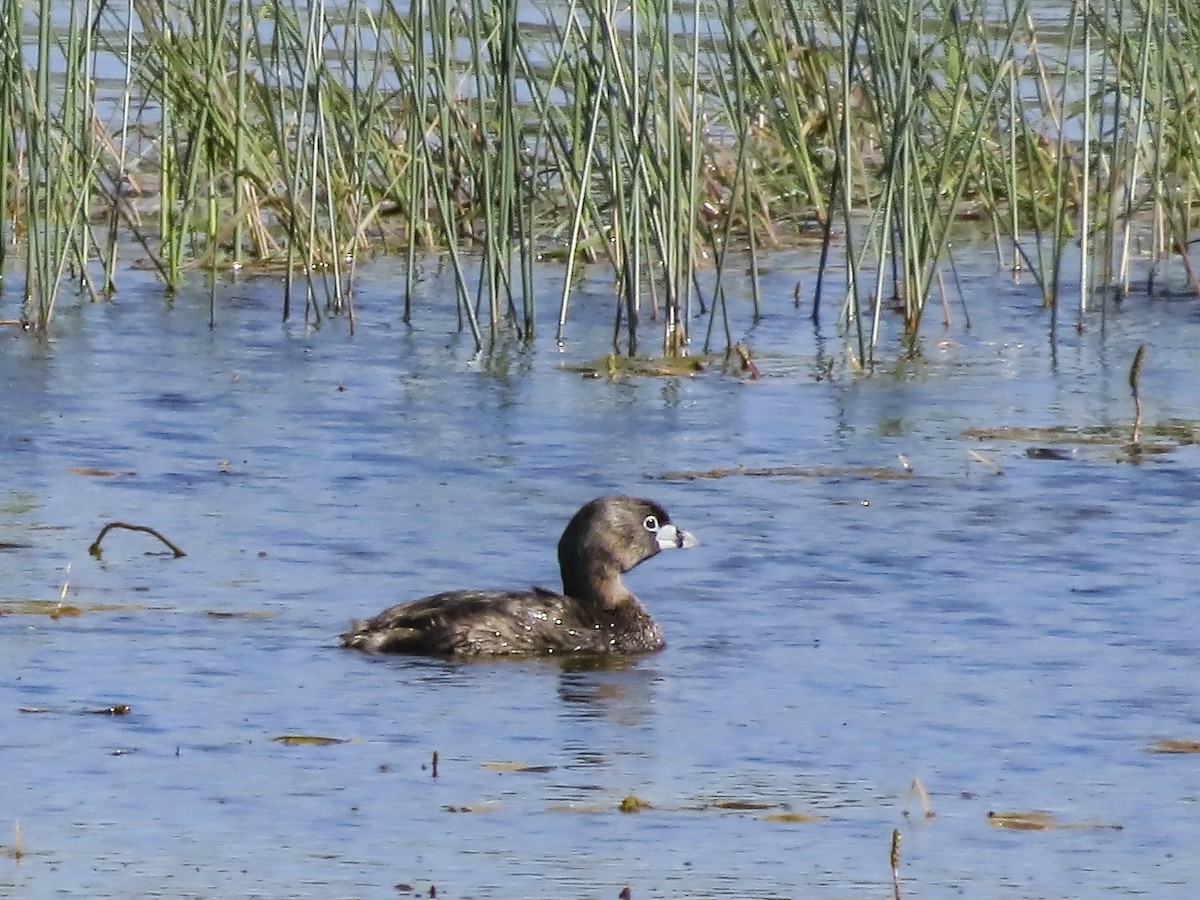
column 1135, row 374
column 95, row 548
column 895, row 860
column 435, row 763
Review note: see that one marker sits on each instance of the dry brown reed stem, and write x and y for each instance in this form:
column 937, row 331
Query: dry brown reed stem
column 94, row 549
column 918, row 788
column 62, row 594
column 1135, row 375
column 895, row 860
column 983, row 460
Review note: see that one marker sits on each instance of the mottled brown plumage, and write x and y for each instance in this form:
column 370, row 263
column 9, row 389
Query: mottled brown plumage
column 596, row 613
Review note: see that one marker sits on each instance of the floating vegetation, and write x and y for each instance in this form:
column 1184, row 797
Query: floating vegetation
column 472, row 808
column 742, row 804
column 308, row 740
column 515, row 767
column 616, row 367
column 90, row 472
column 794, row 817
column 1023, row 821
column 115, row 709
column 94, row 549
column 1038, row 821
column 782, row 814
column 633, row 804
column 1174, row 745
column 663, row 142
column 1178, row 431
column 56, row 608
column 247, row 614
column 818, row 472
column 1168, row 436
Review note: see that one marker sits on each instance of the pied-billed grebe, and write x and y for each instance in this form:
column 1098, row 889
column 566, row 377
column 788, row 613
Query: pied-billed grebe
column 595, row 613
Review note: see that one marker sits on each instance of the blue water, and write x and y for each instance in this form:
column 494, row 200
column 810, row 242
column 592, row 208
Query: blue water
column 1013, row 641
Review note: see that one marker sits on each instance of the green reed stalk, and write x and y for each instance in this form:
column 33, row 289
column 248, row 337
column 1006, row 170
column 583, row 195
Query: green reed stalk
column 487, row 97
column 595, row 135
column 77, row 137
column 306, row 188
column 241, row 185
column 1012, row 184
column 1133, row 148
column 1159, row 128
column 514, row 231
column 1085, row 181
column 451, row 154
column 11, row 75
column 1112, row 73
column 742, row 131
column 168, row 162
column 1062, row 183
column 691, row 233
column 42, row 188
column 412, row 90
column 581, row 204
column 1174, row 156
column 852, row 26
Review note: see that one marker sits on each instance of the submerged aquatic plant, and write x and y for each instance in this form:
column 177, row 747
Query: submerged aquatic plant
column 513, row 139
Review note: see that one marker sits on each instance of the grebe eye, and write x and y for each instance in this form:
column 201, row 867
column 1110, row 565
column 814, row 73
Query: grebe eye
column 650, row 523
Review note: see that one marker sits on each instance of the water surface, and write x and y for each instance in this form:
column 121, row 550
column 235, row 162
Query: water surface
column 1014, row 641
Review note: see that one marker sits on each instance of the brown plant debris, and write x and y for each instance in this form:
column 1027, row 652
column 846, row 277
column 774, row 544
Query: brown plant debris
column 1174, row 745
column 794, row 817
column 514, row 767
column 1035, row 820
column 308, row 740
column 614, row 366
column 1023, row 821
